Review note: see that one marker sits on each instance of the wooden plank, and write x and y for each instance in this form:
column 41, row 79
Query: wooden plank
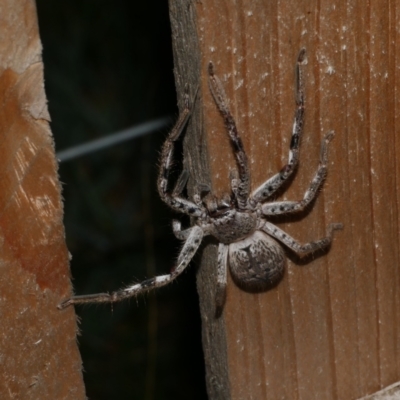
column 329, row 329
column 39, row 354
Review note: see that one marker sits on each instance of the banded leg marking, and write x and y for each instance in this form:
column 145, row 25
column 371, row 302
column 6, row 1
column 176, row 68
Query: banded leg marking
column 269, row 187
column 299, row 248
column 287, row 207
column 218, row 93
column 188, row 251
column 178, row 232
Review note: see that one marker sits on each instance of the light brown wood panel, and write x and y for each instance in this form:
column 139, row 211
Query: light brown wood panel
column 329, row 330
column 39, row 354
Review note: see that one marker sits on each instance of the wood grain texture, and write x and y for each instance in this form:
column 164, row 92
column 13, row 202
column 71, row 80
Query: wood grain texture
column 329, row 330
column 39, row 355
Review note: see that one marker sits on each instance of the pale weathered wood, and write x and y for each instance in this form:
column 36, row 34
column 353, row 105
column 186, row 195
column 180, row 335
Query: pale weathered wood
column 329, row 330
column 187, row 71
column 39, row 354
column 391, row 392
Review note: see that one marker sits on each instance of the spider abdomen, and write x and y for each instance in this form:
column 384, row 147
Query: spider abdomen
column 257, row 262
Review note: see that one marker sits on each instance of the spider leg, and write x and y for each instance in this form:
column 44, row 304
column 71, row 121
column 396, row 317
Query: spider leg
column 220, row 295
column 294, row 245
column 178, row 232
column 174, row 200
column 269, row 187
column 243, row 188
column 287, row 207
column 188, row 251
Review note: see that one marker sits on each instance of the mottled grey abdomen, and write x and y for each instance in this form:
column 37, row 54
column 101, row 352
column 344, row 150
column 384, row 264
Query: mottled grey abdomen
column 257, row 262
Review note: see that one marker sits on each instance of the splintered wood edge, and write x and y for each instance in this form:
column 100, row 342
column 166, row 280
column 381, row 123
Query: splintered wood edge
column 39, row 349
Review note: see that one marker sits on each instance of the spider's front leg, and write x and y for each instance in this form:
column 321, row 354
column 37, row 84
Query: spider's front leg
column 174, row 200
column 269, row 187
column 287, row 207
column 301, row 249
column 193, row 241
column 240, row 186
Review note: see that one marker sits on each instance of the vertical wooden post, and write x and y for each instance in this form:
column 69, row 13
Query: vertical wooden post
column 39, row 354
column 329, row 329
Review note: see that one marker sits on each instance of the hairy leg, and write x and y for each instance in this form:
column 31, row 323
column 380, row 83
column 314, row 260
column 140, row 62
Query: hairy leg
column 299, row 248
column 174, row 200
column 178, row 232
column 188, row 251
column 269, row 187
column 243, row 186
column 288, row 207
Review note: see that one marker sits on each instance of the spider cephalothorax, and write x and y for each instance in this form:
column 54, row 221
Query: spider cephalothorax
column 248, row 243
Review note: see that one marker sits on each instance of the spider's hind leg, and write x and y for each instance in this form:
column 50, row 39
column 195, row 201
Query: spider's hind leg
column 302, row 249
